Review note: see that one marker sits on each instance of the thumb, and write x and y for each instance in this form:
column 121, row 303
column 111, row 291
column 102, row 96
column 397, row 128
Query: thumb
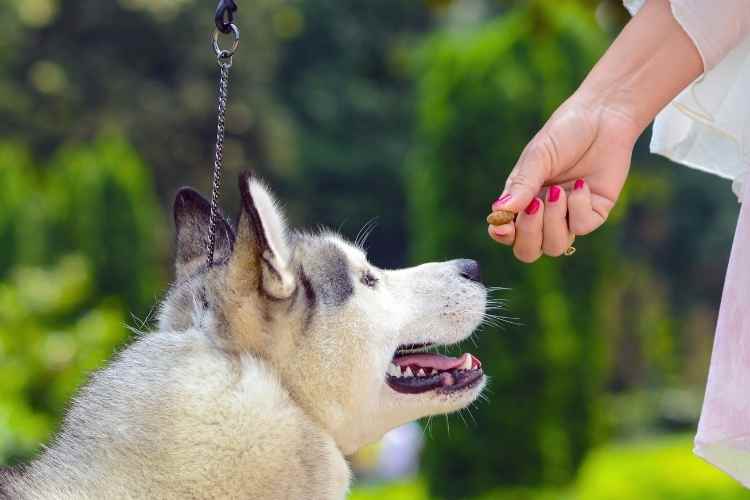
column 532, row 170
column 560, row 144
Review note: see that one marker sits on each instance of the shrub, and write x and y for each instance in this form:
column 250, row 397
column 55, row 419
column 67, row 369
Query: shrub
column 661, row 469
column 82, row 247
column 402, row 490
column 481, row 96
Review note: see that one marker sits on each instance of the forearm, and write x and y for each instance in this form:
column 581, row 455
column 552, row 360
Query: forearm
column 650, row 62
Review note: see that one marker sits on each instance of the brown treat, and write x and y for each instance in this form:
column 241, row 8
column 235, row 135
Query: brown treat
column 500, row 217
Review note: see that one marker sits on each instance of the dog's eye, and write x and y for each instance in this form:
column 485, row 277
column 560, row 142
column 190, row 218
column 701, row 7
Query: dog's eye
column 368, row 279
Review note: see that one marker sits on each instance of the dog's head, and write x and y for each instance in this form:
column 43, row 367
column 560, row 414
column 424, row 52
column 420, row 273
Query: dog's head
column 349, row 341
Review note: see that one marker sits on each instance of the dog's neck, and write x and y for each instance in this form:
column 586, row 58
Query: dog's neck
column 173, row 418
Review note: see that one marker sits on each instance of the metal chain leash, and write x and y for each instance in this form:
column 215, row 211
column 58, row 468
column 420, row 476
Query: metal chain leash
column 224, row 59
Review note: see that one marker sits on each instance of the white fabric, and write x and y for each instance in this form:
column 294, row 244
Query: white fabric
column 633, row 6
column 707, row 126
column 714, row 26
column 723, row 437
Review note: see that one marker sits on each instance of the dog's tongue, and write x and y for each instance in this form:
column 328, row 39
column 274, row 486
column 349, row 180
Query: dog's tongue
column 428, row 360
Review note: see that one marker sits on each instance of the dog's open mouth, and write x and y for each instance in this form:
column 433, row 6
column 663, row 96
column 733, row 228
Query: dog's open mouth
column 415, row 372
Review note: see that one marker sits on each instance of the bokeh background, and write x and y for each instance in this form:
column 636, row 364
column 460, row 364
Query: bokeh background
column 411, row 112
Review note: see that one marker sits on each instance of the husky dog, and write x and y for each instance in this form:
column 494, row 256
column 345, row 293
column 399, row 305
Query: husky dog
column 268, row 368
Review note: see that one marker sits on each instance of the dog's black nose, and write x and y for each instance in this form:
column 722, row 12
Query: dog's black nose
column 469, row 269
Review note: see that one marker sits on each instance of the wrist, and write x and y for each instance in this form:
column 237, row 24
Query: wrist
column 650, row 62
column 611, row 107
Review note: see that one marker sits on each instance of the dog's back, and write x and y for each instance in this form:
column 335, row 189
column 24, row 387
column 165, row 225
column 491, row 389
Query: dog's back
column 173, row 418
column 5, row 475
column 8, row 474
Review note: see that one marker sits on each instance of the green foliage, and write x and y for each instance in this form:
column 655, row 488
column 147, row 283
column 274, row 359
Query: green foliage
column 319, row 101
column 344, row 81
column 85, row 240
column 408, row 490
column 481, row 95
column 528, row 494
column 658, row 469
column 108, row 211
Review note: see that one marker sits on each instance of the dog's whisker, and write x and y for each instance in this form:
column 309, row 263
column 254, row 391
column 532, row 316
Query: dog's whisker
column 146, row 320
column 471, row 415
column 500, row 316
column 364, row 232
column 495, row 308
column 509, row 320
column 461, row 416
column 369, row 232
column 427, row 429
column 495, row 300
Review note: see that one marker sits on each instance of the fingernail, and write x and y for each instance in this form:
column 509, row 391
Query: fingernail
column 533, row 206
column 501, row 230
column 578, row 185
column 554, row 194
column 500, row 201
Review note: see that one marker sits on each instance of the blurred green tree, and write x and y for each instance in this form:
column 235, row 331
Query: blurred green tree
column 344, row 79
column 481, row 95
column 103, row 206
column 318, row 96
column 83, row 246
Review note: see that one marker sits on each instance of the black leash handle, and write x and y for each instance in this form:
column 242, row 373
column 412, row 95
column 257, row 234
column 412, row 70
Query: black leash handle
column 224, row 16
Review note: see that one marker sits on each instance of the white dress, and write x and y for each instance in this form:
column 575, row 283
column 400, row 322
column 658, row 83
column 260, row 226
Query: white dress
column 708, row 127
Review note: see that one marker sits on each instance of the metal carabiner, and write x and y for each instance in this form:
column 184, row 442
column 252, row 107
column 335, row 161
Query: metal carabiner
column 224, row 16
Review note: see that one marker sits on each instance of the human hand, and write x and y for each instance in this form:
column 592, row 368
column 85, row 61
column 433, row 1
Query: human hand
column 567, row 179
column 570, row 175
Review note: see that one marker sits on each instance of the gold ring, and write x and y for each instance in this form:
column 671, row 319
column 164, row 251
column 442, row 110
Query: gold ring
column 569, row 251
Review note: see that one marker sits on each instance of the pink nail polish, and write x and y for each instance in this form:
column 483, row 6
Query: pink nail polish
column 578, row 185
column 554, row 194
column 501, row 230
column 533, row 206
column 500, row 201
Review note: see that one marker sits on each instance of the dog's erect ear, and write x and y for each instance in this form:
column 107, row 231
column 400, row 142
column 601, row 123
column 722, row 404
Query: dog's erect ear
column 261, row 256
column 192, row 213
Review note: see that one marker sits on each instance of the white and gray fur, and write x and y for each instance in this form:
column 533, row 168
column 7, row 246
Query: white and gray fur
column 266, row 370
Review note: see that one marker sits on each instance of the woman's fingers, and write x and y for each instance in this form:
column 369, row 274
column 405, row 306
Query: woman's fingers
column 548, row 227
column 505, row 234
column 555, row 233
column 582, row 218
column 529, row 223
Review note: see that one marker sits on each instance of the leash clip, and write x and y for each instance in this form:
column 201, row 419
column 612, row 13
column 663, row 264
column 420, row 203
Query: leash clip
column 224, row 16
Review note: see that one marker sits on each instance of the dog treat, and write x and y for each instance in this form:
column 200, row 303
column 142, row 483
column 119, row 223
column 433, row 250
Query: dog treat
column 500, row 217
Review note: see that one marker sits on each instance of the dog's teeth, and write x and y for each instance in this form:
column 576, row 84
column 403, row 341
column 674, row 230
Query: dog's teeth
column 408, row 373
column 394, row 370
column 420, row 373
column 467, row 363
